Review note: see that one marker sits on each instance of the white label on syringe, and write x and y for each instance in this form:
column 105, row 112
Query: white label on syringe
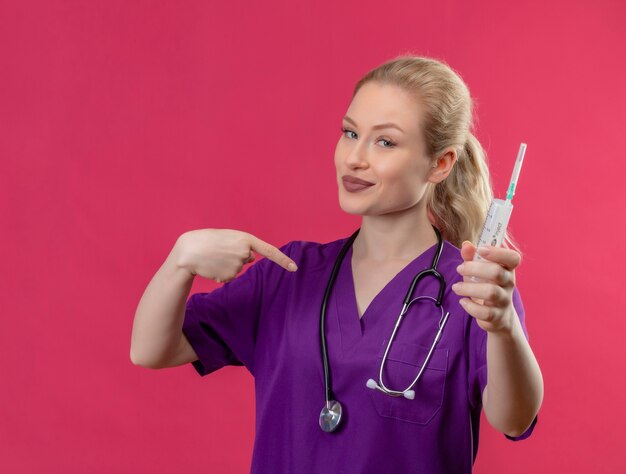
column 499, row 213
column 495, row 224
column 494, row 228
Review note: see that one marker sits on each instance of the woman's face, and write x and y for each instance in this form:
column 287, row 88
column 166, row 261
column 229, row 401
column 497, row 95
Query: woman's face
column 392, row 159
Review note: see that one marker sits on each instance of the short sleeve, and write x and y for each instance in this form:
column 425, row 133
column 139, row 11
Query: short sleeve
column 478, row 362
column 221, row 325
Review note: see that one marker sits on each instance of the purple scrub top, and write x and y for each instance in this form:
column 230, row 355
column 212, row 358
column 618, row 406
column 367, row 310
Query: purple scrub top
column 267, row 319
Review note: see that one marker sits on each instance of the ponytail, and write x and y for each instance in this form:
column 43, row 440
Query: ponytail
column 459, row 204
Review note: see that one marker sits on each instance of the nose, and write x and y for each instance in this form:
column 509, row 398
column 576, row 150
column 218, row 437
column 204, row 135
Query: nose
column 357, row 155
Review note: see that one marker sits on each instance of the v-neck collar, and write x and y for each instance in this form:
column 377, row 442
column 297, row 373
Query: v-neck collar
column 384, row 309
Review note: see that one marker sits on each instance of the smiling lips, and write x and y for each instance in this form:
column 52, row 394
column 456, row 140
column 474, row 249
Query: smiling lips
column 353, row 184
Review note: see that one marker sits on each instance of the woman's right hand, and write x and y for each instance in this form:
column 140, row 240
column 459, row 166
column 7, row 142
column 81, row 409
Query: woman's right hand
column 220, row 254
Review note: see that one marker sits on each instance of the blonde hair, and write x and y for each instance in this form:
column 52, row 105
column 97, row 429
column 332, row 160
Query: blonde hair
column 459, row 204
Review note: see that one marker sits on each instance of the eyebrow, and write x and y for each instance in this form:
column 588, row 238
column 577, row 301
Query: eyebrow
column 375, row 127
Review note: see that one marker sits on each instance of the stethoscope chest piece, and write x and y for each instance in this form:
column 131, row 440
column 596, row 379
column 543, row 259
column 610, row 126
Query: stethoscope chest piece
column 330, row 416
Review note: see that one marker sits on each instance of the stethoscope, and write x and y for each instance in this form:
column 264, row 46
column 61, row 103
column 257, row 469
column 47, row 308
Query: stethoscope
column 331, row 413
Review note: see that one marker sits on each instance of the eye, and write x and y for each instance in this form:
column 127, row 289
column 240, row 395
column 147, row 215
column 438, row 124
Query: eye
column 390, row 144
column 346, row 130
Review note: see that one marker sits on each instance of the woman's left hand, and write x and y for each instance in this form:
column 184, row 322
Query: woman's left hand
column 490, row 300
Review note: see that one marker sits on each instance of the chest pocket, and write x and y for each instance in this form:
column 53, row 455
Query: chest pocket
column 403, row 363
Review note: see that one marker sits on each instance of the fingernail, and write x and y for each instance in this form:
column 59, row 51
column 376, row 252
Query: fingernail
column 465, row 242
column 460, row 268
column 292, row 266
column 455, row 286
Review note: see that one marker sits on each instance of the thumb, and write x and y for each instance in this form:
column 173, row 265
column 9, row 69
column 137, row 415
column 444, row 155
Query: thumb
column 251, row 258
column 468, row 250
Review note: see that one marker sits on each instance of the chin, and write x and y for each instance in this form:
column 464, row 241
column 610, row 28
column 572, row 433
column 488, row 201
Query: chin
column 350, row 209
column 355, row 213
column 354, row 210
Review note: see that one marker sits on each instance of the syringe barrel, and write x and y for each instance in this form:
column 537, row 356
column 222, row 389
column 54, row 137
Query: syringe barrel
column 495, row 224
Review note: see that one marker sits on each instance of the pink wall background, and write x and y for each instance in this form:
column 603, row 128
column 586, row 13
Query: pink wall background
column 126, row 123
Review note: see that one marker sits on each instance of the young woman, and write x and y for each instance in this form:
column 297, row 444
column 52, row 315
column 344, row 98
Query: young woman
column 315, row 337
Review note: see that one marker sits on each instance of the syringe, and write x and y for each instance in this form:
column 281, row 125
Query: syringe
column 500, row 211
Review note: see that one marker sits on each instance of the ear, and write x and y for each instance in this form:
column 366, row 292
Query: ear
column 442, row 166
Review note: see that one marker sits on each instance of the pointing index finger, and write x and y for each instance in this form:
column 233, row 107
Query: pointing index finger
column 272, row 253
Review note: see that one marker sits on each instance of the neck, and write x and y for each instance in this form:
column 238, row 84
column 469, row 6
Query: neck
column 398, row 236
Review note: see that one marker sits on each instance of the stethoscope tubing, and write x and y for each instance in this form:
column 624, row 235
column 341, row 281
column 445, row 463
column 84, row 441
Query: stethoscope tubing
column 407, row 392
column 430, row 271
column 327, row 376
